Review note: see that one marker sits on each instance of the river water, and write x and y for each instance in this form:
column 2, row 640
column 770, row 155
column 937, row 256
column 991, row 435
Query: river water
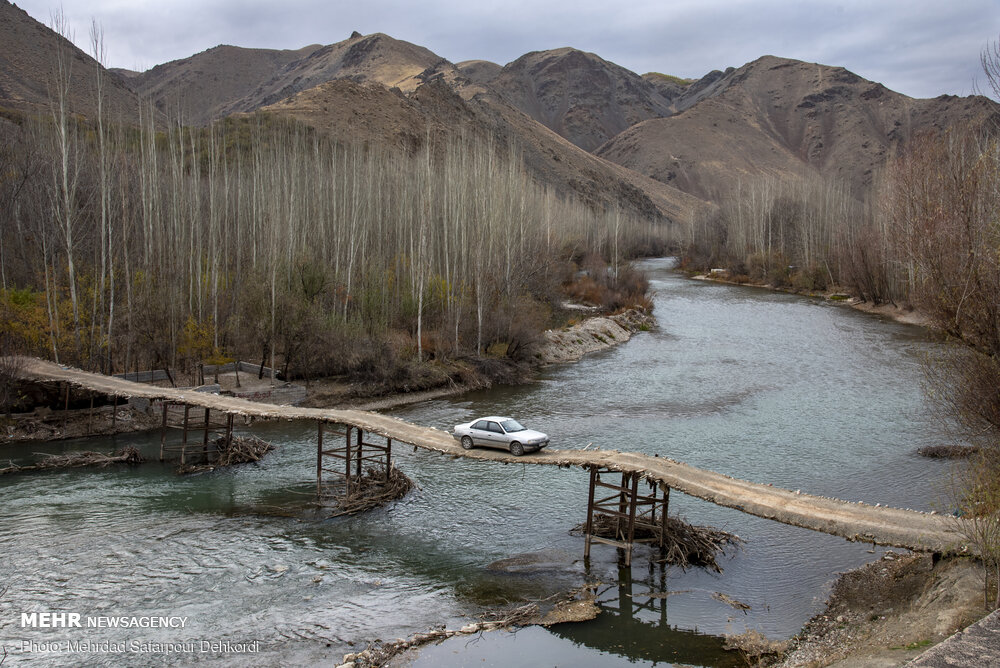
column 768, row 387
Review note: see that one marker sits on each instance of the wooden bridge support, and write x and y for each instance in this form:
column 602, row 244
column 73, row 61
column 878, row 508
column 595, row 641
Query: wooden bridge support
column 348, row 446
column 186, row 425
column 628, row 510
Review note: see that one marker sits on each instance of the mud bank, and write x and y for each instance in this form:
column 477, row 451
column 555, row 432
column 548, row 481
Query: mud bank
column 889, row 612
column 597, row 333
column 569, row 344
column 903, row 314
column 44, row 424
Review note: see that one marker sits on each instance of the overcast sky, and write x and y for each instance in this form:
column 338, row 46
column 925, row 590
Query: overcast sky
column 922, row 48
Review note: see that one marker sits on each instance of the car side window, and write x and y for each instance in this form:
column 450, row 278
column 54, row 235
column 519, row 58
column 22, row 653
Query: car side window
column 481, row 425
column 495, row 428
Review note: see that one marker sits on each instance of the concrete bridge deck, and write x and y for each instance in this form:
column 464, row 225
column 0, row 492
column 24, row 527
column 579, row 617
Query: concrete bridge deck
column 854, row 521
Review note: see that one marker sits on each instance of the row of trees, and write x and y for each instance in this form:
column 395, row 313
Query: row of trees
column 943, row 204
column 779, row 231
column 125, row 246
column 927, row 236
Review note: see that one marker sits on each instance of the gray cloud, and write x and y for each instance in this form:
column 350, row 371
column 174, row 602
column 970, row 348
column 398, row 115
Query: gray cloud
column 921, row 48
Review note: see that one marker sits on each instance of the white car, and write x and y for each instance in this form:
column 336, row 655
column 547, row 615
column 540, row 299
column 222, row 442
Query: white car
column 500, row 432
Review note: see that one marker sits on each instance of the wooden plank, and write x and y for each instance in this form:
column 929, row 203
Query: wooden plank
column 589, row 530
column 319, row 458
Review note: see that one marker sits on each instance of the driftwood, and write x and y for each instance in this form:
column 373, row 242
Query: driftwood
column 240, row 450
column 377, row 488
column 127, row 455
column 683, row 545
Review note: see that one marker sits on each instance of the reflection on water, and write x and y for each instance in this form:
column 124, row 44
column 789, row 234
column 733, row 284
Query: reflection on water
column 632, row 628
column 768, row 387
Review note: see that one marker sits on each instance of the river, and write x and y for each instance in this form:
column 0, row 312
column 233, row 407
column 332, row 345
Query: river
column 769, row 387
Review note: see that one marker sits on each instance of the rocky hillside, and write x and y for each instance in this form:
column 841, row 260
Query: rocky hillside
column 28, row 70
column 580, row 96
column 200, row 88
column 369, row 112
column 783, row 117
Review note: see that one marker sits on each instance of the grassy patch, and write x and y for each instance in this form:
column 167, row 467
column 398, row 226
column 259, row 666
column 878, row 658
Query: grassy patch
column 672, row 79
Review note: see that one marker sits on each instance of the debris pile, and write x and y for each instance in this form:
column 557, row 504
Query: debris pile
column 239, row 450
column 127, row 455
column 376, row 488
column 682, row 544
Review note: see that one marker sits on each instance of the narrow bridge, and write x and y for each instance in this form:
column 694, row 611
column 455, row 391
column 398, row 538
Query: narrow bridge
column 854, row 521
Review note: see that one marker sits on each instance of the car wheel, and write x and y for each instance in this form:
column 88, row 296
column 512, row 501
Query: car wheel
column 516, row 449
column 467, row 443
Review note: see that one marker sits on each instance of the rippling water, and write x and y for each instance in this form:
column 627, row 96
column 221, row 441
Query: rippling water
column 772, row 388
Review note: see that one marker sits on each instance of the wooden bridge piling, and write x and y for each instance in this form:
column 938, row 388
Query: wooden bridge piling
column 354, row 452
column 187, row 413
column 319, row 459
column 208, row 419
column 628, row 509
column 163, row 430
column 66, row 407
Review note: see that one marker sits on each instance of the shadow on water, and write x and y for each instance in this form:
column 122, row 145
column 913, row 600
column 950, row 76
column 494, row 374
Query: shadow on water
column 632, row 627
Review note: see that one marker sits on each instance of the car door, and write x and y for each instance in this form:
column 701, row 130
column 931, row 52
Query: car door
column 479, row 432
column 495, row 434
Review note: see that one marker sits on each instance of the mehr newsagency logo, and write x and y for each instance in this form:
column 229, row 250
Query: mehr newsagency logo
column 75, row 620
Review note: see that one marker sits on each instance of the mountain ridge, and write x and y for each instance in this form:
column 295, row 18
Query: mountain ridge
column 587, row 126
column 786, row 117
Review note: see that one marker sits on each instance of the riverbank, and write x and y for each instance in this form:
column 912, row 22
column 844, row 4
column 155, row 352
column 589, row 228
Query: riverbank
column 883, row 614
column 568, row 344
column 889, row 612
column 433, row 380
column 45, row 424
column 902, row 314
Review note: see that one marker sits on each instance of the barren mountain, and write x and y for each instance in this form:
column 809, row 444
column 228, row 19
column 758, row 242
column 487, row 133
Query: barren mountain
column 654, row 137
column 783, row 117
column 197, row 89
column 28, row 70
column 479, row 71
column 228, row 79
column 378, row 58
column 553, row 159
column 670, row 87
column 581, row 96
column 370, row 112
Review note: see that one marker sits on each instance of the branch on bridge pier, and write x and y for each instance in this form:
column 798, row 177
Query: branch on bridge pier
column 680, row 543
column 376, row 488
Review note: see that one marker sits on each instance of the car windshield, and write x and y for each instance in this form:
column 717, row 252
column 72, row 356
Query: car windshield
column 511, row 425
